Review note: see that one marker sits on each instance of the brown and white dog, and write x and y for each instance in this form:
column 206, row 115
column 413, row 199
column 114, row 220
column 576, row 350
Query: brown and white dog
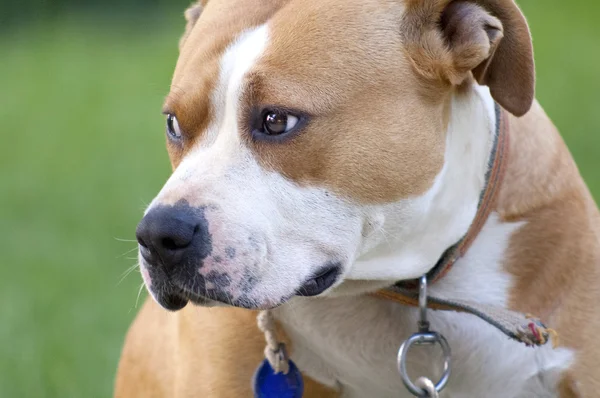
column 330, row 148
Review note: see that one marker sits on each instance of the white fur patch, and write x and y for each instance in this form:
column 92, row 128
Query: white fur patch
column 483, row 263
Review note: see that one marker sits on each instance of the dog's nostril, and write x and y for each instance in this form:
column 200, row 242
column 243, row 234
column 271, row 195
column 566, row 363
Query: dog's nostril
column 170, row 244
column 141, row 242
column 173, row 236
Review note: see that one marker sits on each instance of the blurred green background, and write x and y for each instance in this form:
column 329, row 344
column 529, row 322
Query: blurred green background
column 82, row 152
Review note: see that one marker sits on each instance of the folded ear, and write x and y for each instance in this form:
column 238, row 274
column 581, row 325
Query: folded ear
column 191, row 16
column 486, row 39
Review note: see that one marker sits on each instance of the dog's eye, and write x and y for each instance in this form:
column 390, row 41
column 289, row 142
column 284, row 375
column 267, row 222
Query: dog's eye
column 277, row 122
column 173, row 127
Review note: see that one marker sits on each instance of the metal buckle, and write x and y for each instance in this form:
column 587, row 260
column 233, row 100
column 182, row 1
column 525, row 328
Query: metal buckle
column 423, row 337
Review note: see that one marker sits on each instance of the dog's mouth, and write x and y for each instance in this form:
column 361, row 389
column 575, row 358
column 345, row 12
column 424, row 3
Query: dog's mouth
column 323, row 280
column 173, row 297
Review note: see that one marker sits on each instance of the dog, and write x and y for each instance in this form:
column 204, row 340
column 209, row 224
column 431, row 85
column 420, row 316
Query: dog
column 324, row 150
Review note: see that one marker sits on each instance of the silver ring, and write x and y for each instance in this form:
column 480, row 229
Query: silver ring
column 419, row 339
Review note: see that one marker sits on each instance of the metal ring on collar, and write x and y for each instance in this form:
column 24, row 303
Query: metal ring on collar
column 420, row 339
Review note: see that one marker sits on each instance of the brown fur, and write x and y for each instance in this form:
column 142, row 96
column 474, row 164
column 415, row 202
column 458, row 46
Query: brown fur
column 362, row 89
column 197, row 352
column 554, row 258
column 345, row 116
column 568, row 387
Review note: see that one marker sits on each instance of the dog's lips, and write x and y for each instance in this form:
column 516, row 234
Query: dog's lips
column 174, row 296
column 321, row 281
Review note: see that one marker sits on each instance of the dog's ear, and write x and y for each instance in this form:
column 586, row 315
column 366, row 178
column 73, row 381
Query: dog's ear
column 191, row 16
column 486, row 39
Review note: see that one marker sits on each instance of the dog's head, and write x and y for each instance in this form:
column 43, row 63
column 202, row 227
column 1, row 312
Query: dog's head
column 298, row 129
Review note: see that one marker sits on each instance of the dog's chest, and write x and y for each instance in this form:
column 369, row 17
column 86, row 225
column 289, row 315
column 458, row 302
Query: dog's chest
column 351, row 344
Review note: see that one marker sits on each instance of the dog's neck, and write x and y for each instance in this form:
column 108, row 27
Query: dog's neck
column 414, row 233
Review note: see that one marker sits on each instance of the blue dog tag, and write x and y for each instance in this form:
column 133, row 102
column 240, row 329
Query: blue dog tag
column 268, row 384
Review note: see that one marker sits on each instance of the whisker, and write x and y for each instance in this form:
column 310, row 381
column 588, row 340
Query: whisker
column 128, row 271
column 138, row 295
column 124, row 240
column 127, row 252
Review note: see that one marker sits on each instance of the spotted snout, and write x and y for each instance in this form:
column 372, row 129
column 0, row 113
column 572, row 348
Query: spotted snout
column 198, row 254
column 187, row 254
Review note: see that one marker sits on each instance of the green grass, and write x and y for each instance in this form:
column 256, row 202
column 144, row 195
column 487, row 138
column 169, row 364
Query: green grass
column 82, row 151
column 566, row 38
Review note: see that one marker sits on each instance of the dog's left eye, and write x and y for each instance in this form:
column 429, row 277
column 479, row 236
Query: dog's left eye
column 276, row 122
column 173, row 127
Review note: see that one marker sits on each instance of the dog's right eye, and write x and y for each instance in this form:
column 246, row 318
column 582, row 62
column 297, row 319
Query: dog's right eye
column 173, row 127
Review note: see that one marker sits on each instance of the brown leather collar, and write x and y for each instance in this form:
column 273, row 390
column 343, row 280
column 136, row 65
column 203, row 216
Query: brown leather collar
column 494, row 177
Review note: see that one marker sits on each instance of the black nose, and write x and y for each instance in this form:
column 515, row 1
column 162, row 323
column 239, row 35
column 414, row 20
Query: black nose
column 170, row 236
